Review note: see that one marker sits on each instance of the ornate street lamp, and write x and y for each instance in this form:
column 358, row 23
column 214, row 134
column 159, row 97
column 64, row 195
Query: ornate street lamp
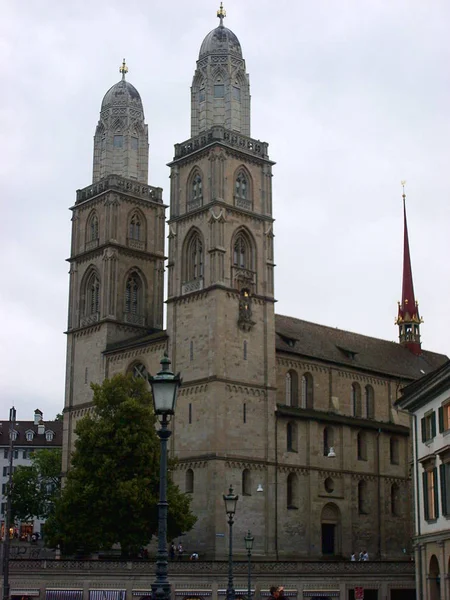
column 230, row 508
column 6, row 543
column 249, row 546
column 164, row 390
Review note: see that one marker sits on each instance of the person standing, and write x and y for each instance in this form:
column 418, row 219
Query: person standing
column 172, row 551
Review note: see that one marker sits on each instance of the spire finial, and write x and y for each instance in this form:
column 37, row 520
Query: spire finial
column 123, row 69
column 403, row 186
column 221, row 13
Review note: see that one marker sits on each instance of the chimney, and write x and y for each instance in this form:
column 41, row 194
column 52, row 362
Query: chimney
column 38, row 414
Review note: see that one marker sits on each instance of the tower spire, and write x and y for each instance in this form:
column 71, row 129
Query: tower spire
column 123, row 69
column 221, row 13
column 408, row 319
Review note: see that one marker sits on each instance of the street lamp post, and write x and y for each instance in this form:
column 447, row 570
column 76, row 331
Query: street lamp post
column 230, row 500
column 164, row 390
column 249, row 546
column 7, row 542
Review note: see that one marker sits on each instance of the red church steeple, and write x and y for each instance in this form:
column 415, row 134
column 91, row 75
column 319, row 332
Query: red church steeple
column 408, row 319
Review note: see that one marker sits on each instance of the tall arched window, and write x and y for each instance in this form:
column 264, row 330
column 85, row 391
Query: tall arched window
column 395, row 509
column 362, row 497
column 394, row 451
column 291, row 388
column 92, row 306
column 242, row 251
column 370, row 402
column 241, row 185
column 328, row 440
column 246, row 483
column 194, row 259
column 292, row 491
column 189, row 481
column 195, row 199
column 135, row 232
column 356, row 399
column 307, row 391
column 291, row 437
column 361, row 444
column 93, row 227
column 133, row 294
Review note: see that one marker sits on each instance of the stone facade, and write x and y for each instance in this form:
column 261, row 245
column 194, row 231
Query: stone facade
column 301, row 412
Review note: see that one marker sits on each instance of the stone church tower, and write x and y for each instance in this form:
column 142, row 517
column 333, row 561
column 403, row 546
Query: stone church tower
column 117, row 252
column 220, row 317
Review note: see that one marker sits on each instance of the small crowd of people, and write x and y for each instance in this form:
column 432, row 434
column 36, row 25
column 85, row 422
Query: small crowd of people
column 276, row 592
column 178, row 552
column 362, row 556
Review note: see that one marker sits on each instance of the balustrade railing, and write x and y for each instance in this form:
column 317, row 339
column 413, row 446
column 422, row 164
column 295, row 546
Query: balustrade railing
column 121, row 184
column 230, row 138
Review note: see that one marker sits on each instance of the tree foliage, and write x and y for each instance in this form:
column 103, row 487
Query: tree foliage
column 111, row 491
column 36, row 488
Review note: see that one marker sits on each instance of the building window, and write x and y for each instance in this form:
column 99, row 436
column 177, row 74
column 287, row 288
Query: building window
column 190, row 413
column 4, row 489
column 292, row 491
column 291, row 388
column 394, row 451
column 361, row 442
column 246, row 483
column 194, row 258
column 242, row 256
column 245, row 349
column 430, row 494
column 291, row 437
column 139, row 371
column 49, row 436
column 428, row 423
column 93, row 295
column 196, row 191
column 16, row 454
column 135, row 227
column 5, row 453
column 13, row 436
column 3, row 508
column 328, row 440
column 118, row 141
column 395, row 495
column 189, row 481
column 370, row 403
column 307, row 391
column 93, row 227
column 244, row 413
column 444, row 474
column 133, row 293
column 191, row 350
column 356, row 400
column 444, row 417
column 134, row 143
column 362, row 498
column 219, row 91
column 241, row 186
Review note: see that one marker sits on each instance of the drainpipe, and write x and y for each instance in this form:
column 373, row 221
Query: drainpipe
column 379, row 493
column 417, row 512
column 276, row 485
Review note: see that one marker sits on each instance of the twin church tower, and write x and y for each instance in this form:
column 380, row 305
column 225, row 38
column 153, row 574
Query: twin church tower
column 254, row 400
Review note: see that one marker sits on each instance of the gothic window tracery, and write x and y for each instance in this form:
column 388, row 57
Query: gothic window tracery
column 242, row 251
column 138, row 371
column 241, row 185
column 291, row 388
column 135, row 231
column 307, row 391
column 195, row 199
column 356, row 400
column 194, row 267
column 93, row 228
column 92, row 306
column 133, row 293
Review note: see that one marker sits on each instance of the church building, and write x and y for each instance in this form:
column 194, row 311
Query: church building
column 298, row 417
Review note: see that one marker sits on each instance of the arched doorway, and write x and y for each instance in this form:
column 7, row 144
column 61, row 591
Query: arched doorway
column 434, row 579
column 330, row 522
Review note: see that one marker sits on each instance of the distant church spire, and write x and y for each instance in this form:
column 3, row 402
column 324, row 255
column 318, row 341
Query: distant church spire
column 408, row 319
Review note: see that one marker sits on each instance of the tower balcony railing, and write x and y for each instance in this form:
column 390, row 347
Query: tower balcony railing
column 136, row 244
column 229, row 138
column 192, row 286
column 90, row 319
column 194, row 204
column 121, row 184
column 243, row 203
column 134, row 319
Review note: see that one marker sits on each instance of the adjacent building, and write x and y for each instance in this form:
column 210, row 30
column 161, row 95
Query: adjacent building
column 428, row 400
column 28, row 437
column 298, row 417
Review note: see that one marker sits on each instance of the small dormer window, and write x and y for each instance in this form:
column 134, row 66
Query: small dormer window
column 30, row 436
column 49, row 436
column 13, row 436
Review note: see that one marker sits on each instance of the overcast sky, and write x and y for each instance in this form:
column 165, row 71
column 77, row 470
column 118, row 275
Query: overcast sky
column 352, row 96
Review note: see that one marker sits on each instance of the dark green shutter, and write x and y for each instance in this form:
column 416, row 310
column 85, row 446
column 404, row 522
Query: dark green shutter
column 425, row 496
column 441, row 419
column 424, row 430
column 443, row 489
column 433, row 425
column 436, row 493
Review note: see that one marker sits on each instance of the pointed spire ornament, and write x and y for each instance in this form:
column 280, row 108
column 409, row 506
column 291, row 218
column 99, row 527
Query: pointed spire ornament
column 408, row 319
column 221, row 13
column 123, row 69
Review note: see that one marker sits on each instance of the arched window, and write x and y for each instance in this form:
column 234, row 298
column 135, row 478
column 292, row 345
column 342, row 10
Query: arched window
column 138, row 370
column 394, row 451
column 241, row 185
column 133, row 295
column 328, row 440
column 194, row 259
column 92, row 227
column 291, row 437
column 356, row 400
column 135, row 232
column 292, row 491
column 307, row 391
column 195, row 199
column 189, row 481
column 246, row 483
column 92, row 305
column 362, row 497
column 370, row 404
column 395, row 509
column 291, row 388
column 434, row 578
column 242, row 251
column 361, row 443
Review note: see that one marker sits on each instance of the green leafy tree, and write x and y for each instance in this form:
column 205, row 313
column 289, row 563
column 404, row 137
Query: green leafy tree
column 111, row 491
column 37, row 487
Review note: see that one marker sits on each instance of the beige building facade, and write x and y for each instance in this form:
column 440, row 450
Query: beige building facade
column 299, row 418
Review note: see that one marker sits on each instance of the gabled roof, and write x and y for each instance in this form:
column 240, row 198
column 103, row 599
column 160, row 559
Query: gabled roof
column 329, row 344
column 418, row 393
column 38, row 441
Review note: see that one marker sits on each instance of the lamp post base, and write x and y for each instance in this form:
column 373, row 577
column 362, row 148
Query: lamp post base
column 161, row 591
